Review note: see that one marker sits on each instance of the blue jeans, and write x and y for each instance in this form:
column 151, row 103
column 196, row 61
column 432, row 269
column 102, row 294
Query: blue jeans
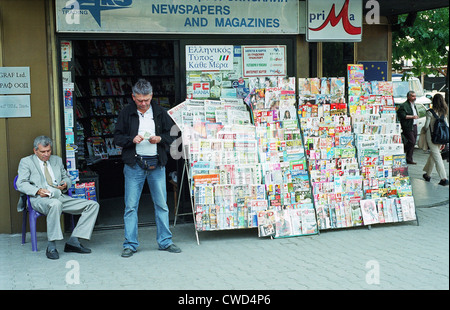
column 134, row 182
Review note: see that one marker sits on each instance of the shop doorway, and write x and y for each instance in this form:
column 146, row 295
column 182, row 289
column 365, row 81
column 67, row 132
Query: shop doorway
column 335, row 58
column 103, row 72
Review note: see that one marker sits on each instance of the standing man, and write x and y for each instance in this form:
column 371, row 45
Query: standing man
column 407, row 114
column 42, row 176
column 143, row 131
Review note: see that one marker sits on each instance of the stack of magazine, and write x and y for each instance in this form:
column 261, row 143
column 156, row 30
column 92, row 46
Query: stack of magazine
column 290, row 211
column 387, row 186
column 331, row 153
column 220, row 147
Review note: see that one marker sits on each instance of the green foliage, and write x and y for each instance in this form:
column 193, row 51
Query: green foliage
column 424, row 43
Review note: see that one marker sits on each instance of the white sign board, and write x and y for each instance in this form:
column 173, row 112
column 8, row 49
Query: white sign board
column 209, row 57
column 264, row 60
column 178, row 16
column 14, row 80
column 334, row 20
column 15, row 106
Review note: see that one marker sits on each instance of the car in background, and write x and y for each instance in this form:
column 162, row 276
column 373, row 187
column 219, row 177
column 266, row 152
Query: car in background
column 423, row 103
column 431, row 94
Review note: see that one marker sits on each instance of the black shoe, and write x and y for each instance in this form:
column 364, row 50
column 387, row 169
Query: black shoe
column 172, row 249
column 127, row 252
column 426, row 177
column 410, row 162
column 77, row 249
column 52, row 254
column 443, row 182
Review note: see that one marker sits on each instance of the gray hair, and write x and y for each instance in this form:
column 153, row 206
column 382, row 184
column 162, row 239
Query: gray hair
column 142, row 87
column 410, row 93
column 42, row 140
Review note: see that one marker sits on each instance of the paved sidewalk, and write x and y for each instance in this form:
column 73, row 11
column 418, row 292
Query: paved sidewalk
column 400, row 256
column 395, row 256
column 427, row 194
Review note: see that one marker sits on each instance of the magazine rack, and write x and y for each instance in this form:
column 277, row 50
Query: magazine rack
column 185, row 171
column 340, row 201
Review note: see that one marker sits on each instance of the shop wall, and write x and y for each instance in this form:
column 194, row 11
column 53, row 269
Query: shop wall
column 302, row 69
column 23, row 43
column 376, row 44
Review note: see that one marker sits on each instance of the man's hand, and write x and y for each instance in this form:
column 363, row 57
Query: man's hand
column 154, row 139
column 43, row 192
column 62, row 186
column 138, row 139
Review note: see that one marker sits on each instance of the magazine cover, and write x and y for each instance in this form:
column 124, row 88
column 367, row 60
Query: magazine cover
column 266, row 223
column 369, row 211
column 408, row 208
column 296, row 221
column 309, row 223
column 283, row 223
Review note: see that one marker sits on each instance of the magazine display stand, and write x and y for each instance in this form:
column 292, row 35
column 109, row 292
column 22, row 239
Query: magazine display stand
column 331, row 153
column 338, row 171
column 387, row 186
column 290, row 211
column 222, row 164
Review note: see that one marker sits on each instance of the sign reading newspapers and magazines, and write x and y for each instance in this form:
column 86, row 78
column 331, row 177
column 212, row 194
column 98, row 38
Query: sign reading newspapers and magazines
column 334, row 20
column 178, row 16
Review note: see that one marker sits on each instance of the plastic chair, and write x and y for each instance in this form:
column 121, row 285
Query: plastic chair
column 33, row 215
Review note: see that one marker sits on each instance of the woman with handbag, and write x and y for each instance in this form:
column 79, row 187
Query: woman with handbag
column 435, row 159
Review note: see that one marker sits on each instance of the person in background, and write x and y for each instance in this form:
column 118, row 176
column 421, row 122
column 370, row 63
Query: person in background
column 42, row 176
column 435, row 159
column 407, row 114
column 143, row 131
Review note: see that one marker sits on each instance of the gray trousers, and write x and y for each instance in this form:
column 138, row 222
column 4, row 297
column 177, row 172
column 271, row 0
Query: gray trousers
column 435, row 159
column 53, row 207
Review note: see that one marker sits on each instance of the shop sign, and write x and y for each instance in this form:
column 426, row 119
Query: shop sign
column 264, row 61
column 334, row 20
column 14, row 80
column 178, row 16
column 209, row 57
column 15, row 106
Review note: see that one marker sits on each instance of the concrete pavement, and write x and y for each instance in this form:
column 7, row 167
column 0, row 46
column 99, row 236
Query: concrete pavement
column 401, row 256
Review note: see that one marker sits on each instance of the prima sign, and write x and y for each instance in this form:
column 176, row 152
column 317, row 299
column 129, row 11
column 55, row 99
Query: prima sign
column 334, row 21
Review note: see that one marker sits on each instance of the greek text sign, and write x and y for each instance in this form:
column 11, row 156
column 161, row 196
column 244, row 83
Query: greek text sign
column 209, row 57
column 14, row 80
column 264, row 60
column 178, row 16
column 334, row 20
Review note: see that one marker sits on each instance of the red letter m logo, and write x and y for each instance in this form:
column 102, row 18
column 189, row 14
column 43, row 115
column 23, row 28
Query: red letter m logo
column 334, row 20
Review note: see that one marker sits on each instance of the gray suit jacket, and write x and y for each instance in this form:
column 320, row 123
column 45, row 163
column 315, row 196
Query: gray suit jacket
column 30, row 177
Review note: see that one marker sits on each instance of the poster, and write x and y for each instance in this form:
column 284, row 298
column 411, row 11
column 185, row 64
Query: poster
column 264, row 60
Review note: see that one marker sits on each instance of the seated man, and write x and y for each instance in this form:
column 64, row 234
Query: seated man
column 42, row 176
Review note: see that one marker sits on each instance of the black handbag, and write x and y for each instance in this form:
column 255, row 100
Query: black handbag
column 147, row 162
